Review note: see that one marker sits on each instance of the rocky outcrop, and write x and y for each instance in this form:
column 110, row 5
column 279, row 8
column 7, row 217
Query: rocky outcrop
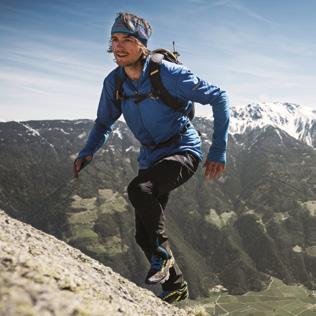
column 41, row 275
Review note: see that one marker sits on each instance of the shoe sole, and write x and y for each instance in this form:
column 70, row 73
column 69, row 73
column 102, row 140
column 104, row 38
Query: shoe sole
column 176, row 297
column 162, row 280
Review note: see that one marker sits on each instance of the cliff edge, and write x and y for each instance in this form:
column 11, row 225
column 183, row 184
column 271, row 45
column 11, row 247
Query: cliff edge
column 42, row 276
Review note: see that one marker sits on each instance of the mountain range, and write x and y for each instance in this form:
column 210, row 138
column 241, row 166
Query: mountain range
column 258, row 220
column 297, row 121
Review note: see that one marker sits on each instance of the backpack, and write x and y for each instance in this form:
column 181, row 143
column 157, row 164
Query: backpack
column 159, row 91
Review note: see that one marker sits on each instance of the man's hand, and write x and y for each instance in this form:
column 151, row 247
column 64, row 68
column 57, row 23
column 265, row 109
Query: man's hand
column 79, row 164
column 213, row 169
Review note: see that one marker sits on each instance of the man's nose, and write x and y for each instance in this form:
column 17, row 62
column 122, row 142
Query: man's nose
column 119, row 44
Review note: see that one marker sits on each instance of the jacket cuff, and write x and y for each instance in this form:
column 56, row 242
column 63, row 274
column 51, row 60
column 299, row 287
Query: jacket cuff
column 216, row 155
column 84, row 153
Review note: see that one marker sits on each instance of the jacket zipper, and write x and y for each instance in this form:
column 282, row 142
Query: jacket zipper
column 140, row 113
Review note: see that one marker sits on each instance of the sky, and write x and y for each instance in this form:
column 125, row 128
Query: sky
column 53, row 53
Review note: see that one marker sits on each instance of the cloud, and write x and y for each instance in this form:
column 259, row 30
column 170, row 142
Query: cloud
column 45, row 76
column 30, row 95
column 234, row 5
column 238, row 6
column 54, row 55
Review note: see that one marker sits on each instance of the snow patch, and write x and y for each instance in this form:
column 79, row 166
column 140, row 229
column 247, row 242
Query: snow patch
column 118, row 133
column 59, row 129
column 35, row 133
column 82, row 135
column 279, row 134
column 295, row 120
column 63, row 131
column 30, row 130
column 131, row 148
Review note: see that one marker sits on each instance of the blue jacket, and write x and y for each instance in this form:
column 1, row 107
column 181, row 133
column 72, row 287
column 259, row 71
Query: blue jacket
column 153, row 122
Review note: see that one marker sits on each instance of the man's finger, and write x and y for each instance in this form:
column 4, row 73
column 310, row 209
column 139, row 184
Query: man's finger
column 213, row 169
column 208, row 167
column 218, row 172
column 77, row 167
column 78, row 164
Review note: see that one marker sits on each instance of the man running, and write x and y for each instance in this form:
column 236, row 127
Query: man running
column 170, row 149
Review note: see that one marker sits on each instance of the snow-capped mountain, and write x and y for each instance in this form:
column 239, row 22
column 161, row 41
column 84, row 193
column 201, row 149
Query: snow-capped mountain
column 296, row 120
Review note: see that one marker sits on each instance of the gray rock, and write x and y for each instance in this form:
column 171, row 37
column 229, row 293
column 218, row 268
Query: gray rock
column 41, row 275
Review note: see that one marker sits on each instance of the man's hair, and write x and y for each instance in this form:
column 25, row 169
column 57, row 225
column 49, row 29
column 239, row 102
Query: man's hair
column 136, row 21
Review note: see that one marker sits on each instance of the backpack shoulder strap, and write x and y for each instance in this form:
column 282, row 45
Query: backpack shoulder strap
column 118, row 89
column 159, row 89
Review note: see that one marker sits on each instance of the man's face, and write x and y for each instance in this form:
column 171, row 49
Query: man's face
column 126, row 49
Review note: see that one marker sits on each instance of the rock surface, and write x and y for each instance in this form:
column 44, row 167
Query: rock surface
column 41, row 275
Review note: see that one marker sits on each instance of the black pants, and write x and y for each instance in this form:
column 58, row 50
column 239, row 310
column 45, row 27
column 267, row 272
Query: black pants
column 149, row 193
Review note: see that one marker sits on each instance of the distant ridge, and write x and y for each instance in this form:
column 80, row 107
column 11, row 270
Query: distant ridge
column 256, row 221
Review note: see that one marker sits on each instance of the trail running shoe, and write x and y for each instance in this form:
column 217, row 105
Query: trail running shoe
column 175, row 295
column 161, row 261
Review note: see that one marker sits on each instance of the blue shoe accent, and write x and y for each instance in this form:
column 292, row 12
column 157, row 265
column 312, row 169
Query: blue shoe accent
column 160, row 263
column 156, row 262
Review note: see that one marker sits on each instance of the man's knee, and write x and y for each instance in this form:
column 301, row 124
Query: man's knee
column 138, row 190
column 133, row 190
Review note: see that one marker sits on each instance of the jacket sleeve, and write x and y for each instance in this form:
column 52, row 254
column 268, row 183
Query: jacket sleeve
column 107, row 114
column 190, row 87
